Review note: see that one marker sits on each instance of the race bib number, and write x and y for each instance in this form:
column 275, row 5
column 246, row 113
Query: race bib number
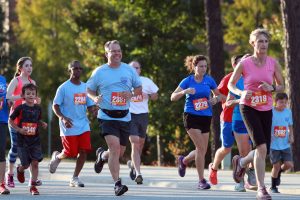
column 117, row 99
column 80, row 99
column 138, row 98
column 200, row 104
column 259, row 98
column 1, row 102
column 280, row 131
column 30, row 128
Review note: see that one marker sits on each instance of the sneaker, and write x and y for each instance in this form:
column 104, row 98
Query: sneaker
column 203, row 185
column 3, row 189
column 250, row 187
column 274, row 190
column 132, row 172
column 262, row 194
column 181, row 166
column 139, row 179
column 76, row 182
column 34, row 183
column 34, row 191
column 54, row 162
column 10, row 180
column 238, row 171
column 239, row 187
column 213, row 176
column 99, row 161
column 119, row 188
column 251, row 176
column 20, row 175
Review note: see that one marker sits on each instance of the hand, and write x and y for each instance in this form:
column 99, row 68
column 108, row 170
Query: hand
column 98, row 99
column 67, row 122
column 44, row 125
column 126, row 95
column 214, row 100
column 291, row 139
column 190, row 91
column 145, row 95
column 23, row 131
column 95, row 111
column 265, row 86
column 38, row 100
column 246, row 94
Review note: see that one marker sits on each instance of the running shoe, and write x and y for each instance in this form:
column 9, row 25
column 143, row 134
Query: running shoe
column 213, row 176
column 251, row 176
column 34, row 183
column 250, row 187
column 20, row 175
column 10, row 180
column 76, row 182
column 203, row 185
column 238, row 171
column 181, row 166
column 98, row 166
column 274, row 190
column 132, row 172
column 262, row 194
column 239, row 187
column 33, row 190
column 3, row 189
column 119, row 188
column 54, row 162
column 139, row 179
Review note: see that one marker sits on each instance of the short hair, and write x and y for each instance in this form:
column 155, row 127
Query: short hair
column 281, row 96
column 259, row 31
column 106, row 45
column 29, row 86
column 72, row 64
column 235, row 59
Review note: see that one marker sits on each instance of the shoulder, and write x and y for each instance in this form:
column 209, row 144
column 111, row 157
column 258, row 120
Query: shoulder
column 209, row 78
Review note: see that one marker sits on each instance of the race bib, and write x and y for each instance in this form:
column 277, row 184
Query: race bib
column 138, row 98
column 117, row 99
column 259, row 98
column 80, row 99
column 1, row 102
column 280, row 131
column 30, row 127
column 200, row 104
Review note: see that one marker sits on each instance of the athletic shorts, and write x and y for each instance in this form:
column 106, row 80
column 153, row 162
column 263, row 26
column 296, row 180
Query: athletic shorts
column 117, row 128
column 239, row 127
column 138, row 124
column 281, row 155
column 196, row 122
column 29, row 153
column 3, row 133
column 258, row 124
column 226, row 134
column 72, row 144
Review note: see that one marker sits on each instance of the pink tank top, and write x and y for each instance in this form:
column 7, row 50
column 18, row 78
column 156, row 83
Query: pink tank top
column 253, row 75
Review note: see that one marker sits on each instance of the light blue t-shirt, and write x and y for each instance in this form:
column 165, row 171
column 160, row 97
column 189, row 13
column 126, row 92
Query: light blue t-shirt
column 280, row 129
column 197, row 104
column 109, row 82
column 3, row 104
column 73, row 102
column 236, row 115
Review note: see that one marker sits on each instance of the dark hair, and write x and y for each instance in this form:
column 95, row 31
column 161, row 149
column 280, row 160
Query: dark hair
column 106, row 45
column 191, row 61
column 29, row 86
column 235, row 59
column 72, row 64
column 20, row 64
column 280, row 96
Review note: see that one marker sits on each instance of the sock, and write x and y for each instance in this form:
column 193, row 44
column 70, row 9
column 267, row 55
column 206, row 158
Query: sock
column 118, row 182
column 102, row 156
column 273, row 180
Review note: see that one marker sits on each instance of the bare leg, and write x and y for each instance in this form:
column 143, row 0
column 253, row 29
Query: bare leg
column 114, row 146
column 80, row 162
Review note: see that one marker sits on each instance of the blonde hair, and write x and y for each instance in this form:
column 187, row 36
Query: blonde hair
column 191, row 61
column 259, row 31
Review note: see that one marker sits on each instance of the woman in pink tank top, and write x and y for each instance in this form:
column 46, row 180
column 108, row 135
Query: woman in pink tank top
column 262, row 76
column 13, row 95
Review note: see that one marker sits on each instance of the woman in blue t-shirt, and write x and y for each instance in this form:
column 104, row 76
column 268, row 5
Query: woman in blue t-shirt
column 197, row 112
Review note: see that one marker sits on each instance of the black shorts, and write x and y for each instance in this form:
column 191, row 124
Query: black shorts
column 258, row 124
column 197, row 122
column 29, row 153
column 138, row 124
column 117, row 128
column 281, row 155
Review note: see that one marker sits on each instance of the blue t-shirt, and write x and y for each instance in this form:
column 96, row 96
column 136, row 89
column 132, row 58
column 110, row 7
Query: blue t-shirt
column 109, row 82
column 280, row 129
column 73, row 102
column 236, row 115
column 3, row 103
column 197, row 104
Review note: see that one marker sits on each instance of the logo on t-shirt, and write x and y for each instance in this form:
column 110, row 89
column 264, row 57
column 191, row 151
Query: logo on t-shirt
column 200, row 104
column 280, row 131
column 30, row 127
column 138, row 98
column 117, row 99
column 80, row 99
column 259, row 98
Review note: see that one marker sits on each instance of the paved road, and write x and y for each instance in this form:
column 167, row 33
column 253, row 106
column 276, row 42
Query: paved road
column 160, row 183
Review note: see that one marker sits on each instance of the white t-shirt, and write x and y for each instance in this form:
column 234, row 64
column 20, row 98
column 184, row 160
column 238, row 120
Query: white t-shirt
column 139, row 104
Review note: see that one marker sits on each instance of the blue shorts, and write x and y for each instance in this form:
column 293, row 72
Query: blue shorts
column 226, row 135
column 239, row 127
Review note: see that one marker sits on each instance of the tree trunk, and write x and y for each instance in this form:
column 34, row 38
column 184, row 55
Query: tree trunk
column 216, row 56
column 291, row 21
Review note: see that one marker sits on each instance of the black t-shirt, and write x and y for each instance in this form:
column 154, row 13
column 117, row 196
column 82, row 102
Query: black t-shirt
column 27, row 117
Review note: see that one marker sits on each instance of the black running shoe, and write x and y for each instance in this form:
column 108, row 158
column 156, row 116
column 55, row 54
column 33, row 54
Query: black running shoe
column 99, row 162
column 132, row 173
column 119, row 188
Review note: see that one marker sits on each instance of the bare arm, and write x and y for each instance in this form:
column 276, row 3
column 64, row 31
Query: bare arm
column 234, row 78
column 278, row 78
column 67, row 121
column 16, row 127
column 179, row 92
column 231, row 101
column 10, row 90
column 291, row 134
column 153, row 96
column 93, row 95
column 217, row 96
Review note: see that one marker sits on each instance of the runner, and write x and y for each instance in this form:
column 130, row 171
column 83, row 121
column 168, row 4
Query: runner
column 3, row 132
column 139, row 121
column 14, row 90
column 110, row 86
column 256, row 105
column 282, row 138
column 26, row 120
column 70, row 105
column 197, row 111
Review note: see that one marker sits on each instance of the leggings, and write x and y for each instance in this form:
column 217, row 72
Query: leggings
column 13, row 152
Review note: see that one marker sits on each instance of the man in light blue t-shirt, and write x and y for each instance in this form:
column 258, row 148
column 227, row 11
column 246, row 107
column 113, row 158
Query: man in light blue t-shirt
column 70, row 105
column 110, row 86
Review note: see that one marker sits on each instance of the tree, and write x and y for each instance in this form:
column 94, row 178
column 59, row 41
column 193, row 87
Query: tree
column 291, row 16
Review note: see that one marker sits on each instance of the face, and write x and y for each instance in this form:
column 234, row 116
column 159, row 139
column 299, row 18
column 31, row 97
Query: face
column 201, row 67
column 261, row 44
column 29, row 96
column 27, row 68
column 114, row 54
column 76, row 71
column 281, row 104
column 137, row 67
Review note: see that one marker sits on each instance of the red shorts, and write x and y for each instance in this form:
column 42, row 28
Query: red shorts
column 72, row 144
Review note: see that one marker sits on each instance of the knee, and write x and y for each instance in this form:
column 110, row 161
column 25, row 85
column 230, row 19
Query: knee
column 261, row 151
column 34, row 164
column 226, row 150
